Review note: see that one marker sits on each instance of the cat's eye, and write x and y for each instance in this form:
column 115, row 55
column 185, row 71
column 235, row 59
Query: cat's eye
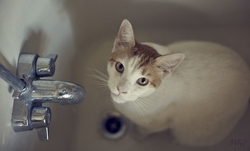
column 142, row 81
column 119, row 67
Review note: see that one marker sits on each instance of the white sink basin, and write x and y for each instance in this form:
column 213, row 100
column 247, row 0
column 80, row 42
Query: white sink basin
column 82, row 32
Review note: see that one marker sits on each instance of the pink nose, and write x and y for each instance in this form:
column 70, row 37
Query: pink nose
column 121, row 90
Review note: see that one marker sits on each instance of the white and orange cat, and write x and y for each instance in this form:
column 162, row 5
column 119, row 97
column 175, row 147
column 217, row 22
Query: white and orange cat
column 198, row 90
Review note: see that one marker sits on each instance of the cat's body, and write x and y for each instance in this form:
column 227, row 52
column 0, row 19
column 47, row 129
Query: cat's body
column 200, row 97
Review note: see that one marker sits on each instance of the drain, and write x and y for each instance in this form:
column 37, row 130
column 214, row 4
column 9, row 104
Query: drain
column 113, row 125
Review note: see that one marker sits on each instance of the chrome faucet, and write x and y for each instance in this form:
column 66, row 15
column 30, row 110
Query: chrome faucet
column 31, row 91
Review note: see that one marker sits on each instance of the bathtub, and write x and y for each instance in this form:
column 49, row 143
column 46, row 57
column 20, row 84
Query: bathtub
column 82, row 32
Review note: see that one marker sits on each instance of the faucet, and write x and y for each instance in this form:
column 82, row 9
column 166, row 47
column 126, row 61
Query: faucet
column 30, row 92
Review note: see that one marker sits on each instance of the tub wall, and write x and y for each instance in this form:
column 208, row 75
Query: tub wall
column 40, row 27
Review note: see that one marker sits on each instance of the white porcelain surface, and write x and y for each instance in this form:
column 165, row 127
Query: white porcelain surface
column 40, row 27
column 81, row 32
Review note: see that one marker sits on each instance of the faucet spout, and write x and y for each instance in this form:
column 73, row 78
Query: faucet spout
column 61, row 92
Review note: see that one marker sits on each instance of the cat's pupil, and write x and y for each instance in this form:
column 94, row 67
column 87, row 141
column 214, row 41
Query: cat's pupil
column 142, row 81
column 120, row 66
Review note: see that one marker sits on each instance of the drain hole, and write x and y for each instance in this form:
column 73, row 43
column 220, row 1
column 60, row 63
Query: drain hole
column 113, row 125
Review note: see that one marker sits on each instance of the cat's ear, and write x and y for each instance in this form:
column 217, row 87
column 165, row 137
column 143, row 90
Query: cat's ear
column 169, row 62
column 125, row 36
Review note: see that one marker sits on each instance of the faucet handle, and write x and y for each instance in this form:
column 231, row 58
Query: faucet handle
column 43, row 133
column 45, row 66
column 40, row 119
column 52, row 56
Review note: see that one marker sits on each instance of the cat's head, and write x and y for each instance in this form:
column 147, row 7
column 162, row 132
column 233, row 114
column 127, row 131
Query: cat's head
column 136, row 70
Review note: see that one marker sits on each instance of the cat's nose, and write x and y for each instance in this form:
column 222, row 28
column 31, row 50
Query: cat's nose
column 121, row 90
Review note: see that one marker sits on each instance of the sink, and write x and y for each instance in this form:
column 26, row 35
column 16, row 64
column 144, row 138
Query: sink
column 82, row 33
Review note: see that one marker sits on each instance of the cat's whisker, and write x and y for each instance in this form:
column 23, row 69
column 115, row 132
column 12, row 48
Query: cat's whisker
column 101, row 83
column 138, row 108
column 101, row 77
column 105, row 88
column 104, row 75
column 97, row 72
column 145, row 103
column 98, row 78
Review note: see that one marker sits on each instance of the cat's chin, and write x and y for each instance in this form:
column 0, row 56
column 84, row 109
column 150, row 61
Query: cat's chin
column 118, row 99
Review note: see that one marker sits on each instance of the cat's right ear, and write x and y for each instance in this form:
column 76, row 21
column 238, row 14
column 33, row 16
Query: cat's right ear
column 167, row 63
column 125, row 37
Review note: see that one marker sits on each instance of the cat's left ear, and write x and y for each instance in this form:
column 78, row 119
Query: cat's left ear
column 169, row 62
column 125, row 36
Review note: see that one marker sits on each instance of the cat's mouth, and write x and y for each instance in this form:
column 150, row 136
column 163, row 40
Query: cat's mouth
column 117, row 98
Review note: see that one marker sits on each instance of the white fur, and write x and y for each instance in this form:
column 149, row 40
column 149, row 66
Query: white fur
column 201, row 101
column 127, row 82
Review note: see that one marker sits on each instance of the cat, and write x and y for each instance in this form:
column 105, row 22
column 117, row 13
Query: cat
column 198, row 90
